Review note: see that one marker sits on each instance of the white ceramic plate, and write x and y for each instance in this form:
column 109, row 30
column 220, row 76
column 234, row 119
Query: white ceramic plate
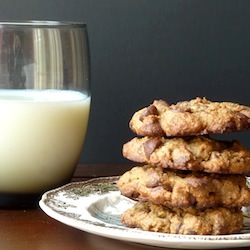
column 95, row 206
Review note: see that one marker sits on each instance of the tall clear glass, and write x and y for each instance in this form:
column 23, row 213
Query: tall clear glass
column 44, row 106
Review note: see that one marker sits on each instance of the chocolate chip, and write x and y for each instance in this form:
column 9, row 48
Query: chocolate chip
column 150, row 145
column 150, row 110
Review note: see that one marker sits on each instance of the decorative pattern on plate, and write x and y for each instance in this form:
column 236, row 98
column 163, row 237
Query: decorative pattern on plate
column 92, row 205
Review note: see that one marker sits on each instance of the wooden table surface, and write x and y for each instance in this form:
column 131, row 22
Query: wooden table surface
column 32, row 229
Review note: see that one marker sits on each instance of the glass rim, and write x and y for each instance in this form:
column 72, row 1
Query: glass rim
column 41, row 24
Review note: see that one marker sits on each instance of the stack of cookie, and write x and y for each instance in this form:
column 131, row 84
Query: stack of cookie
column 188, row 183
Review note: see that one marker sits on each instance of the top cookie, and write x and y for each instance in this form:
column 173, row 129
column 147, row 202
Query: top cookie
column 195, row 117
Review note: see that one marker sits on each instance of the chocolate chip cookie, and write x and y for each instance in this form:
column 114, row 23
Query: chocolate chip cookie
column 184, row 189
column 214, row 221
column 197, row 153
column 195, row 117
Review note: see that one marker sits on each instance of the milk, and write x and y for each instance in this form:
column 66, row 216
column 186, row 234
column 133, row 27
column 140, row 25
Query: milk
column 41, row 137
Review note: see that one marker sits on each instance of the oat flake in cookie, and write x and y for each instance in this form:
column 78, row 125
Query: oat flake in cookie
column 195, row 117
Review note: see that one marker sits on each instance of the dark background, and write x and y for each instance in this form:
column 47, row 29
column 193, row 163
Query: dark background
column 143, row 50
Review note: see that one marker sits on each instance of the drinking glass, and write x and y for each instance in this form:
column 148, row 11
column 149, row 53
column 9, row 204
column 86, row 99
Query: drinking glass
column 44, row 106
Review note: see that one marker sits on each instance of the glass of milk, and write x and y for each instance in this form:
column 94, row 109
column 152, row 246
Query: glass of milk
column 44, row 106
